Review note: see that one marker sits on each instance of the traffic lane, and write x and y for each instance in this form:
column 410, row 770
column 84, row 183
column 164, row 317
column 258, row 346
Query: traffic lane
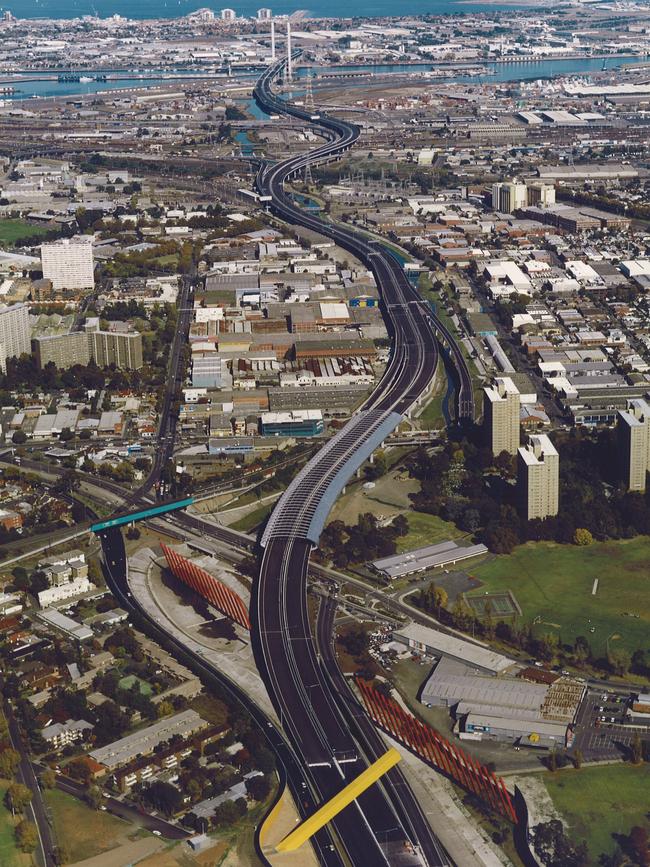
column 311, row 718
column 399, row 792
column 287, row 653
column 45, row 851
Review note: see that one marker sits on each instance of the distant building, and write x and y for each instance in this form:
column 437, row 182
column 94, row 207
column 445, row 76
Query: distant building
column 501, row 410
column 68, row 263
column 296, row 423
column 633, row 432
column 508, row 197
column 264, row 14
column 121, row 348
column 538, row 477
column 541, row 194
column 10, row 520
column 14, row 332
column 228, row 15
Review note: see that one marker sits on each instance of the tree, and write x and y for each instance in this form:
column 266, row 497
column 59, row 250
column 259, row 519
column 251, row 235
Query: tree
column 26, row 835
column 441, row 598
column 19, row 437
column 78, row 769
column 554, row 848
column 258, row 787
column 165, row 708
column 66, row 435
column 582, row 537
column 164, row 797
column 9, row 759
column 577, row 759
column 17, row 797
column 400, row 524
column 581, row 650
column 639, row 845
column 48, row 778
column 193, row 789
column 620, row 661
column 94, row 797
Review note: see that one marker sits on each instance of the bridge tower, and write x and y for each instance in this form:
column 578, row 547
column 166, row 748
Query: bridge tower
column 289, row 75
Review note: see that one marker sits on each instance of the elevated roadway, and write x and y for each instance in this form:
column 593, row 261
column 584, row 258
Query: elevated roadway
column 379, row 828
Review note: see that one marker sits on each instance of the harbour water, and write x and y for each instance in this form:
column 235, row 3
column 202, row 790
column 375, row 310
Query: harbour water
column 176, row 8
column 498, row 72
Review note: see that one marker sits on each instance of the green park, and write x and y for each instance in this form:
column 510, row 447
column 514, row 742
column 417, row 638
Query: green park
column 599, row 803
column 13, row 231
column 554, row 586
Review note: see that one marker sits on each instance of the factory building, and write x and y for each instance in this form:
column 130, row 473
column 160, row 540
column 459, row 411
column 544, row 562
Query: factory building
column 296, row 423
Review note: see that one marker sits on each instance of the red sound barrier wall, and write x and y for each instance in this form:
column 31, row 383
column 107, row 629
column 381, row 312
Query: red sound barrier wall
column 429, row 745
column 206, row 585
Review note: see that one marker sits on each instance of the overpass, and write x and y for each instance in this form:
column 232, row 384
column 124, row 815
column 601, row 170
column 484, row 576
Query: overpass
column 141, row 515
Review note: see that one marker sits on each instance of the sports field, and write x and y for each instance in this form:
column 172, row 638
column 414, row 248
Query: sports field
column 600, row 802
column 128, row 681
column 12, row 231
column 499, row 605
column 553, row 586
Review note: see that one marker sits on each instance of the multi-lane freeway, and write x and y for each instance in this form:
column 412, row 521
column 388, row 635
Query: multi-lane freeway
column 317, row 710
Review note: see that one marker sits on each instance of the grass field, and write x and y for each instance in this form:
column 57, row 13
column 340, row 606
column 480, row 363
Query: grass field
column 10, row 855
column 554, row 582
column 253, row 519
column 12, row 231
column 599, row 802
column 426, row 530
column 85, row 832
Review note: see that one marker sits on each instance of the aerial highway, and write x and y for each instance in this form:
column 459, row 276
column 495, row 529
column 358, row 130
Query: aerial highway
column 385, row 825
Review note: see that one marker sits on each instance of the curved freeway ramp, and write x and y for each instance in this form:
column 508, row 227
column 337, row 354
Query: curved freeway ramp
column 385, row 825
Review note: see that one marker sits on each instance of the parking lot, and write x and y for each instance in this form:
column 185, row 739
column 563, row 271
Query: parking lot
column 601, row 729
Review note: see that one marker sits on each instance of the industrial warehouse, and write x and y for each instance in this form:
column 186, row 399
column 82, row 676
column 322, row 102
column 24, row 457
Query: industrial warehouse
column 428, row 557
column 519, row 710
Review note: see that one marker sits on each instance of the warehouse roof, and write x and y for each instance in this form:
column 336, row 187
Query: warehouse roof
column 442, row 644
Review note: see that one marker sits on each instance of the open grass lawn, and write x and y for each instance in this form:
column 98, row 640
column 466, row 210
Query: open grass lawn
column 432, row 416
column 426, row 530
column 85, row 832
column 554, row 583
column 168, row 259
column 253, row 519
column 599, row 802
column 10, row 855
column 12, row 231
